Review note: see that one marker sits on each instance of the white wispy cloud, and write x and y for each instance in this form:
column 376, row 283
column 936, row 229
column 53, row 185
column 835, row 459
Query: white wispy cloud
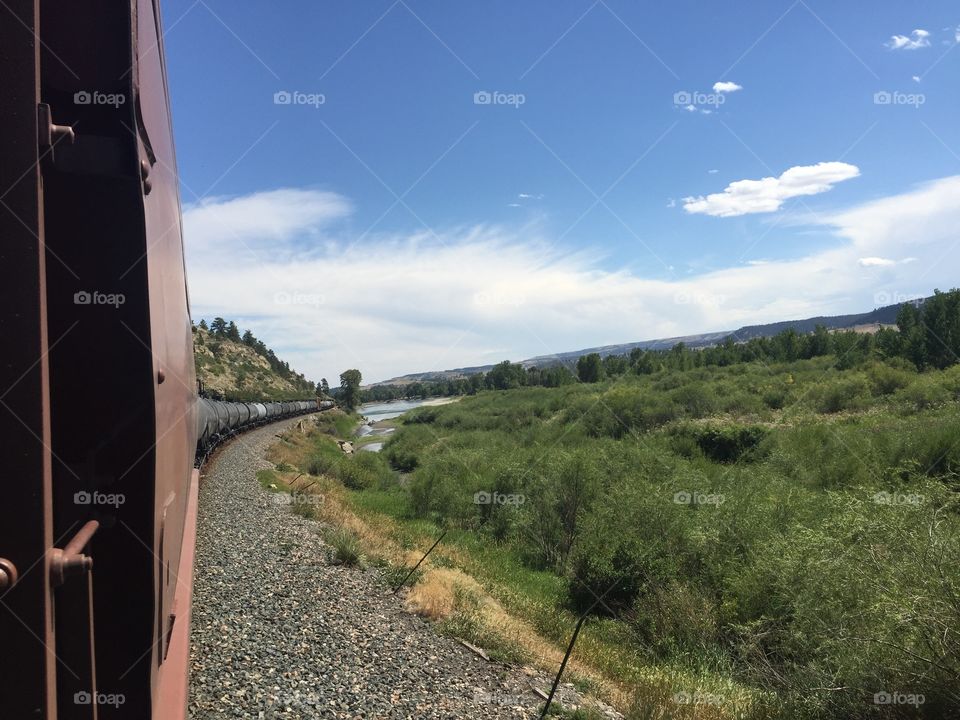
column 876, row 262
column 917, row 39
column 726, row 87
column 327, row 300
column 768, row 194
column 268, row 218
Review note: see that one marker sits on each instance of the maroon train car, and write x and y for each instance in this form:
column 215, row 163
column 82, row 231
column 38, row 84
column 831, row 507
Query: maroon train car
column 97, row 388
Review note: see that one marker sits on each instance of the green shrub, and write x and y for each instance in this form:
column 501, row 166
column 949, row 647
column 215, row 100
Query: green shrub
column 320, row 465
column 886, row 380
column 923, row 393
column 362, row 470
column 843, row 394
column 725, row 443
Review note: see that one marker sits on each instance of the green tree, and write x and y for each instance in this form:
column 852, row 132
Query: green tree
column 912, row 336
column 940, row 318
column 818, row 343
column 232, row 332
column 248, row 339
column 506, row 376
column 476, row 383
column 218, row 327
column 590, row 368
column 350, row 388
column 203, row 324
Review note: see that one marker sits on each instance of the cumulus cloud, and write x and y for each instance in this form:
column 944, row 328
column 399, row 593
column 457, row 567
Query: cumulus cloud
column 327, row 300
column 726, row 87
column 916, row 40
column 768, row 194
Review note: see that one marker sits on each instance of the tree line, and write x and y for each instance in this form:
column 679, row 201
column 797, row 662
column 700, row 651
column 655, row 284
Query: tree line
column 927, row 335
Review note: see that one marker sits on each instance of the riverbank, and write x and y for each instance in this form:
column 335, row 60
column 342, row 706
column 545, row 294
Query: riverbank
column 380, row 420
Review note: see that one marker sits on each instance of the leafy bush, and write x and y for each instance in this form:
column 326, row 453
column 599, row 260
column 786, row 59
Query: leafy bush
column 363, row 470
column 885, row 380
column 923, row 393
column 725, row 443
column 843, row 394
column 320, row 464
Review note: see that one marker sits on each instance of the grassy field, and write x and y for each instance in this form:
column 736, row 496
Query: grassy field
column 750, row 541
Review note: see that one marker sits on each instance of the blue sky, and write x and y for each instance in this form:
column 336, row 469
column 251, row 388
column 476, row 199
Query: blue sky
column 561, row 214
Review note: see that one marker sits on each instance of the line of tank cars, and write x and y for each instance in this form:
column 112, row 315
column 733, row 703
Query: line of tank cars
column 218, row 419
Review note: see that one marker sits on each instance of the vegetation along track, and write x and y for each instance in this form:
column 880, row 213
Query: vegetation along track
column 279, row 631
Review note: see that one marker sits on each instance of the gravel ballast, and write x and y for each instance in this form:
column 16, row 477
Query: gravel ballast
column 280, row 632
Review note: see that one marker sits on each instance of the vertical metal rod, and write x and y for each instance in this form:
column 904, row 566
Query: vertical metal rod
column 402, row 582
column 563, row 665
column 573, row 639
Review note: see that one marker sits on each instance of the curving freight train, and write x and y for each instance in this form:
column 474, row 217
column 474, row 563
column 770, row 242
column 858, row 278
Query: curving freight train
column 217, row 420
column 100, row 423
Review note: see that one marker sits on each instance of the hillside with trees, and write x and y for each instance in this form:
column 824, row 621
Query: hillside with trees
column 235, row 366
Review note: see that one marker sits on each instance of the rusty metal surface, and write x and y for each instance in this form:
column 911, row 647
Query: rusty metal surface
column 175, row 398
column 172, row 692
column 89, row 207
column 27, row 660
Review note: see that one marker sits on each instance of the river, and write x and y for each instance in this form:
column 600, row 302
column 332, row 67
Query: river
column 375, row 412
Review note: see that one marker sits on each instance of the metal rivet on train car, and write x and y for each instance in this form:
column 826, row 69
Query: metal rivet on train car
column 8, row 574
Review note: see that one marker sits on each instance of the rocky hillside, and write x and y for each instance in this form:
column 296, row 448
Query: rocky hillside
column 243, row 368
